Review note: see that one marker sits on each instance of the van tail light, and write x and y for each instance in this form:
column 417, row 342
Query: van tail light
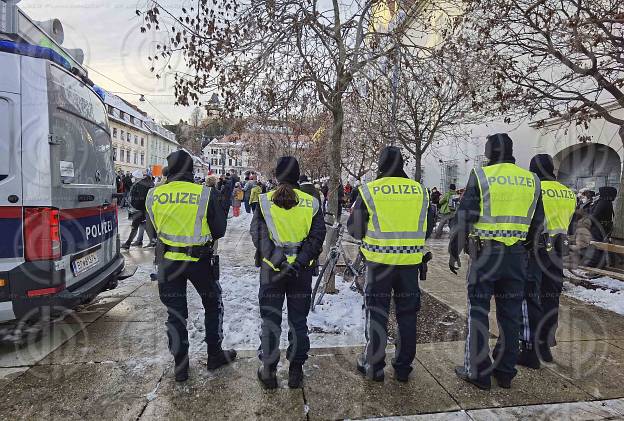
column 42, row 238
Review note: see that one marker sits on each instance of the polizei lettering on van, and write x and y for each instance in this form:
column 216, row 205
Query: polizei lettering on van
column 179, row 197
column 398, row 189
column 98, row 230
column 512, row 180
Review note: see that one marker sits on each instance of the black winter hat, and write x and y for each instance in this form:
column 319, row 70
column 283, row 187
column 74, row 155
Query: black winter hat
column 287, row 170
column 452, row 187
column 499, row 147
column 542, row 165
column 608, row 193
column 179, row 162
column 304, row 179
column 391, row 162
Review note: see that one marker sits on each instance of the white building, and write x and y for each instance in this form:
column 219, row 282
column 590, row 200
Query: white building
column 227, row 155
column 161, row 142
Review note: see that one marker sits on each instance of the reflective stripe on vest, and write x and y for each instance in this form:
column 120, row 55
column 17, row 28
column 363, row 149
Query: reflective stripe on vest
column 172, row 202
column 559, row 207
column 295, row 223
column 506, row 218
column 397, row 225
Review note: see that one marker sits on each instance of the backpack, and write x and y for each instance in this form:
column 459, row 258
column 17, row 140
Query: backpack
column 453, row 202
column 239, row 195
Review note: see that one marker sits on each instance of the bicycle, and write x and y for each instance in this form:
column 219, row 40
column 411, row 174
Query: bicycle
column 354, row 270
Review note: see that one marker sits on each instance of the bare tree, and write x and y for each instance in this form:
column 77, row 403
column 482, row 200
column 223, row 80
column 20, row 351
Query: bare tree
column 267, row 56
column 550, row 58
column 196, row 117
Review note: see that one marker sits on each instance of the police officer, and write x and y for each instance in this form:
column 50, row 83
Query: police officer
column 498, row 218
column 545, row 282
column 288, row 231
column 187, row 218
column 391, row 216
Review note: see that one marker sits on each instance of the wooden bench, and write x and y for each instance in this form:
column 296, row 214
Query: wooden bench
column 609, row 271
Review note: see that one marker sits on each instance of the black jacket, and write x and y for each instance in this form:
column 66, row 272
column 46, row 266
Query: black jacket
column 468, row 214
column 265, row 248
column 358, row 220
column 309, row 188
column 602, row 214
column 138, row 193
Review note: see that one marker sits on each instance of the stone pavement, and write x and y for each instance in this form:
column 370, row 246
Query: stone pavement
column 109, row 361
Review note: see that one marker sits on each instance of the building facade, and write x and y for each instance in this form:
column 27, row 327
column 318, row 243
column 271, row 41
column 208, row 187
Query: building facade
column 226, row 156
column 129, row 134
column 160, row 143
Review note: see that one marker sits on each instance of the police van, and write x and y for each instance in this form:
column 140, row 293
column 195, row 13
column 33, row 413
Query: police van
column 59, row 244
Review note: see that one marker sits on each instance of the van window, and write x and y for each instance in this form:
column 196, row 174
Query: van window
column 78, row 120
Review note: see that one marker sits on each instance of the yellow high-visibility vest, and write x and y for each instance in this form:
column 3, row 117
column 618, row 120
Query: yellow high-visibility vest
column 288, row 227
column 178, row 212
column 509, row 196
column 397, row 222
column 559, row 207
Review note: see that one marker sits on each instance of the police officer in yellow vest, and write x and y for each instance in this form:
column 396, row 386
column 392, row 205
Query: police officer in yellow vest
column 392, row 218
column 288, row 232
column 187, row 218
column 545, row 282
column 499, row 217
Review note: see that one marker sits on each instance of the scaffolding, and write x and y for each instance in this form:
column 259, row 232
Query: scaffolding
column 480, row 161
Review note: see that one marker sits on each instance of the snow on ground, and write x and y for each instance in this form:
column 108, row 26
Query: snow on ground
column 610, row 298
column 337, row 322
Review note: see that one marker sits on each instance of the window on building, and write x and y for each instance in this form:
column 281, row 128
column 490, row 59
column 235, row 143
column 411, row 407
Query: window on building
column 142, row 159
column 132, row 119
column 123, row 135
column 122, row 114
column 121, row 155
column 110, row 109
column 115, row 132
column 142, row 142
column 136, row 139
column 230, row 162
column 135, row 158
column 128, row 156
column 114, row 154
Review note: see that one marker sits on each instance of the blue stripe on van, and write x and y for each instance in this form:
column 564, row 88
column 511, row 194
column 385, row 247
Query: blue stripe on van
column 84, row 228
column 11, row 241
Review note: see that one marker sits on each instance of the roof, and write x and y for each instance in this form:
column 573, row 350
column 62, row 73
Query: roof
column 159, row 130
column 128, row 110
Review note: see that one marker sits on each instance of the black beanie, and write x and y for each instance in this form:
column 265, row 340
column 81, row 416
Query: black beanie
column 390, row 162
column 179, row 162
column 543, row 166
column 499, row 147
column 287, row 170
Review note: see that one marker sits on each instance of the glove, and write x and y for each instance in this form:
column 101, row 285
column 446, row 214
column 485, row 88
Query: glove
column 454, row 264
column 290, row 269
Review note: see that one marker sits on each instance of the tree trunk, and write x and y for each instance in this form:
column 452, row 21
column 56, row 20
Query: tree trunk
column 334, row 179
column 618, row 223
column 418, row 166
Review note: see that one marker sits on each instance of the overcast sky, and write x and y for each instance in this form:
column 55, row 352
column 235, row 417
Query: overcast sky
column 108, row 32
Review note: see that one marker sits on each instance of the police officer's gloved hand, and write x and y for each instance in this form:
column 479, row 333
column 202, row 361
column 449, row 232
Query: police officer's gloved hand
column 290, row 269
column 454, row 264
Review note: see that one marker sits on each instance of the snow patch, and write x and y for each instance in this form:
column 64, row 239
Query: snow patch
column 611, row 298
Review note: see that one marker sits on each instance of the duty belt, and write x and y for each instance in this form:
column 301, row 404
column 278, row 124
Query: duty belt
column 197, row 252
column 291, row 250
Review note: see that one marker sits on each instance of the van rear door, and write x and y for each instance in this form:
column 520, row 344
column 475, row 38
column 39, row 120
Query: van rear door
column 83, row 178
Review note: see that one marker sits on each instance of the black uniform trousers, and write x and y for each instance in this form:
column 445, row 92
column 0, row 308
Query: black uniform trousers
column 540, row 309
column 274, row 287
column 172, row 280
column 499, row 271
column 381, row 281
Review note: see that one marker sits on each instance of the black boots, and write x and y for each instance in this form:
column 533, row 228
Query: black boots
column 528, row 358
column 181, row 368
column 220, row 358
column 544, row 353
column 268, row 377
column 295, row 376
column 377, row 376
column 483, row 383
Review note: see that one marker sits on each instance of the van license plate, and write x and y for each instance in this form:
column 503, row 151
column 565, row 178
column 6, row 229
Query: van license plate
column 85, row 263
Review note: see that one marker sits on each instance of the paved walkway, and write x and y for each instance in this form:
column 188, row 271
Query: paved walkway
column 109, row 361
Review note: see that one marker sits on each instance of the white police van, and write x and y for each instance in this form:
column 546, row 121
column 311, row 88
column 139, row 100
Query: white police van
column 59, row 244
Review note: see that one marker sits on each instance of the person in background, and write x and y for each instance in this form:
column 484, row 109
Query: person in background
column 127, row 185
column 249, row 184
column 601, row 216
column 254, row 196
column 325, row 191
column 211, row 181
column 446, row 210
column 288, row 231
column 435, row 196
column 226, row 193
column 238, row 196
column 138, row 194
column 307, row 187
